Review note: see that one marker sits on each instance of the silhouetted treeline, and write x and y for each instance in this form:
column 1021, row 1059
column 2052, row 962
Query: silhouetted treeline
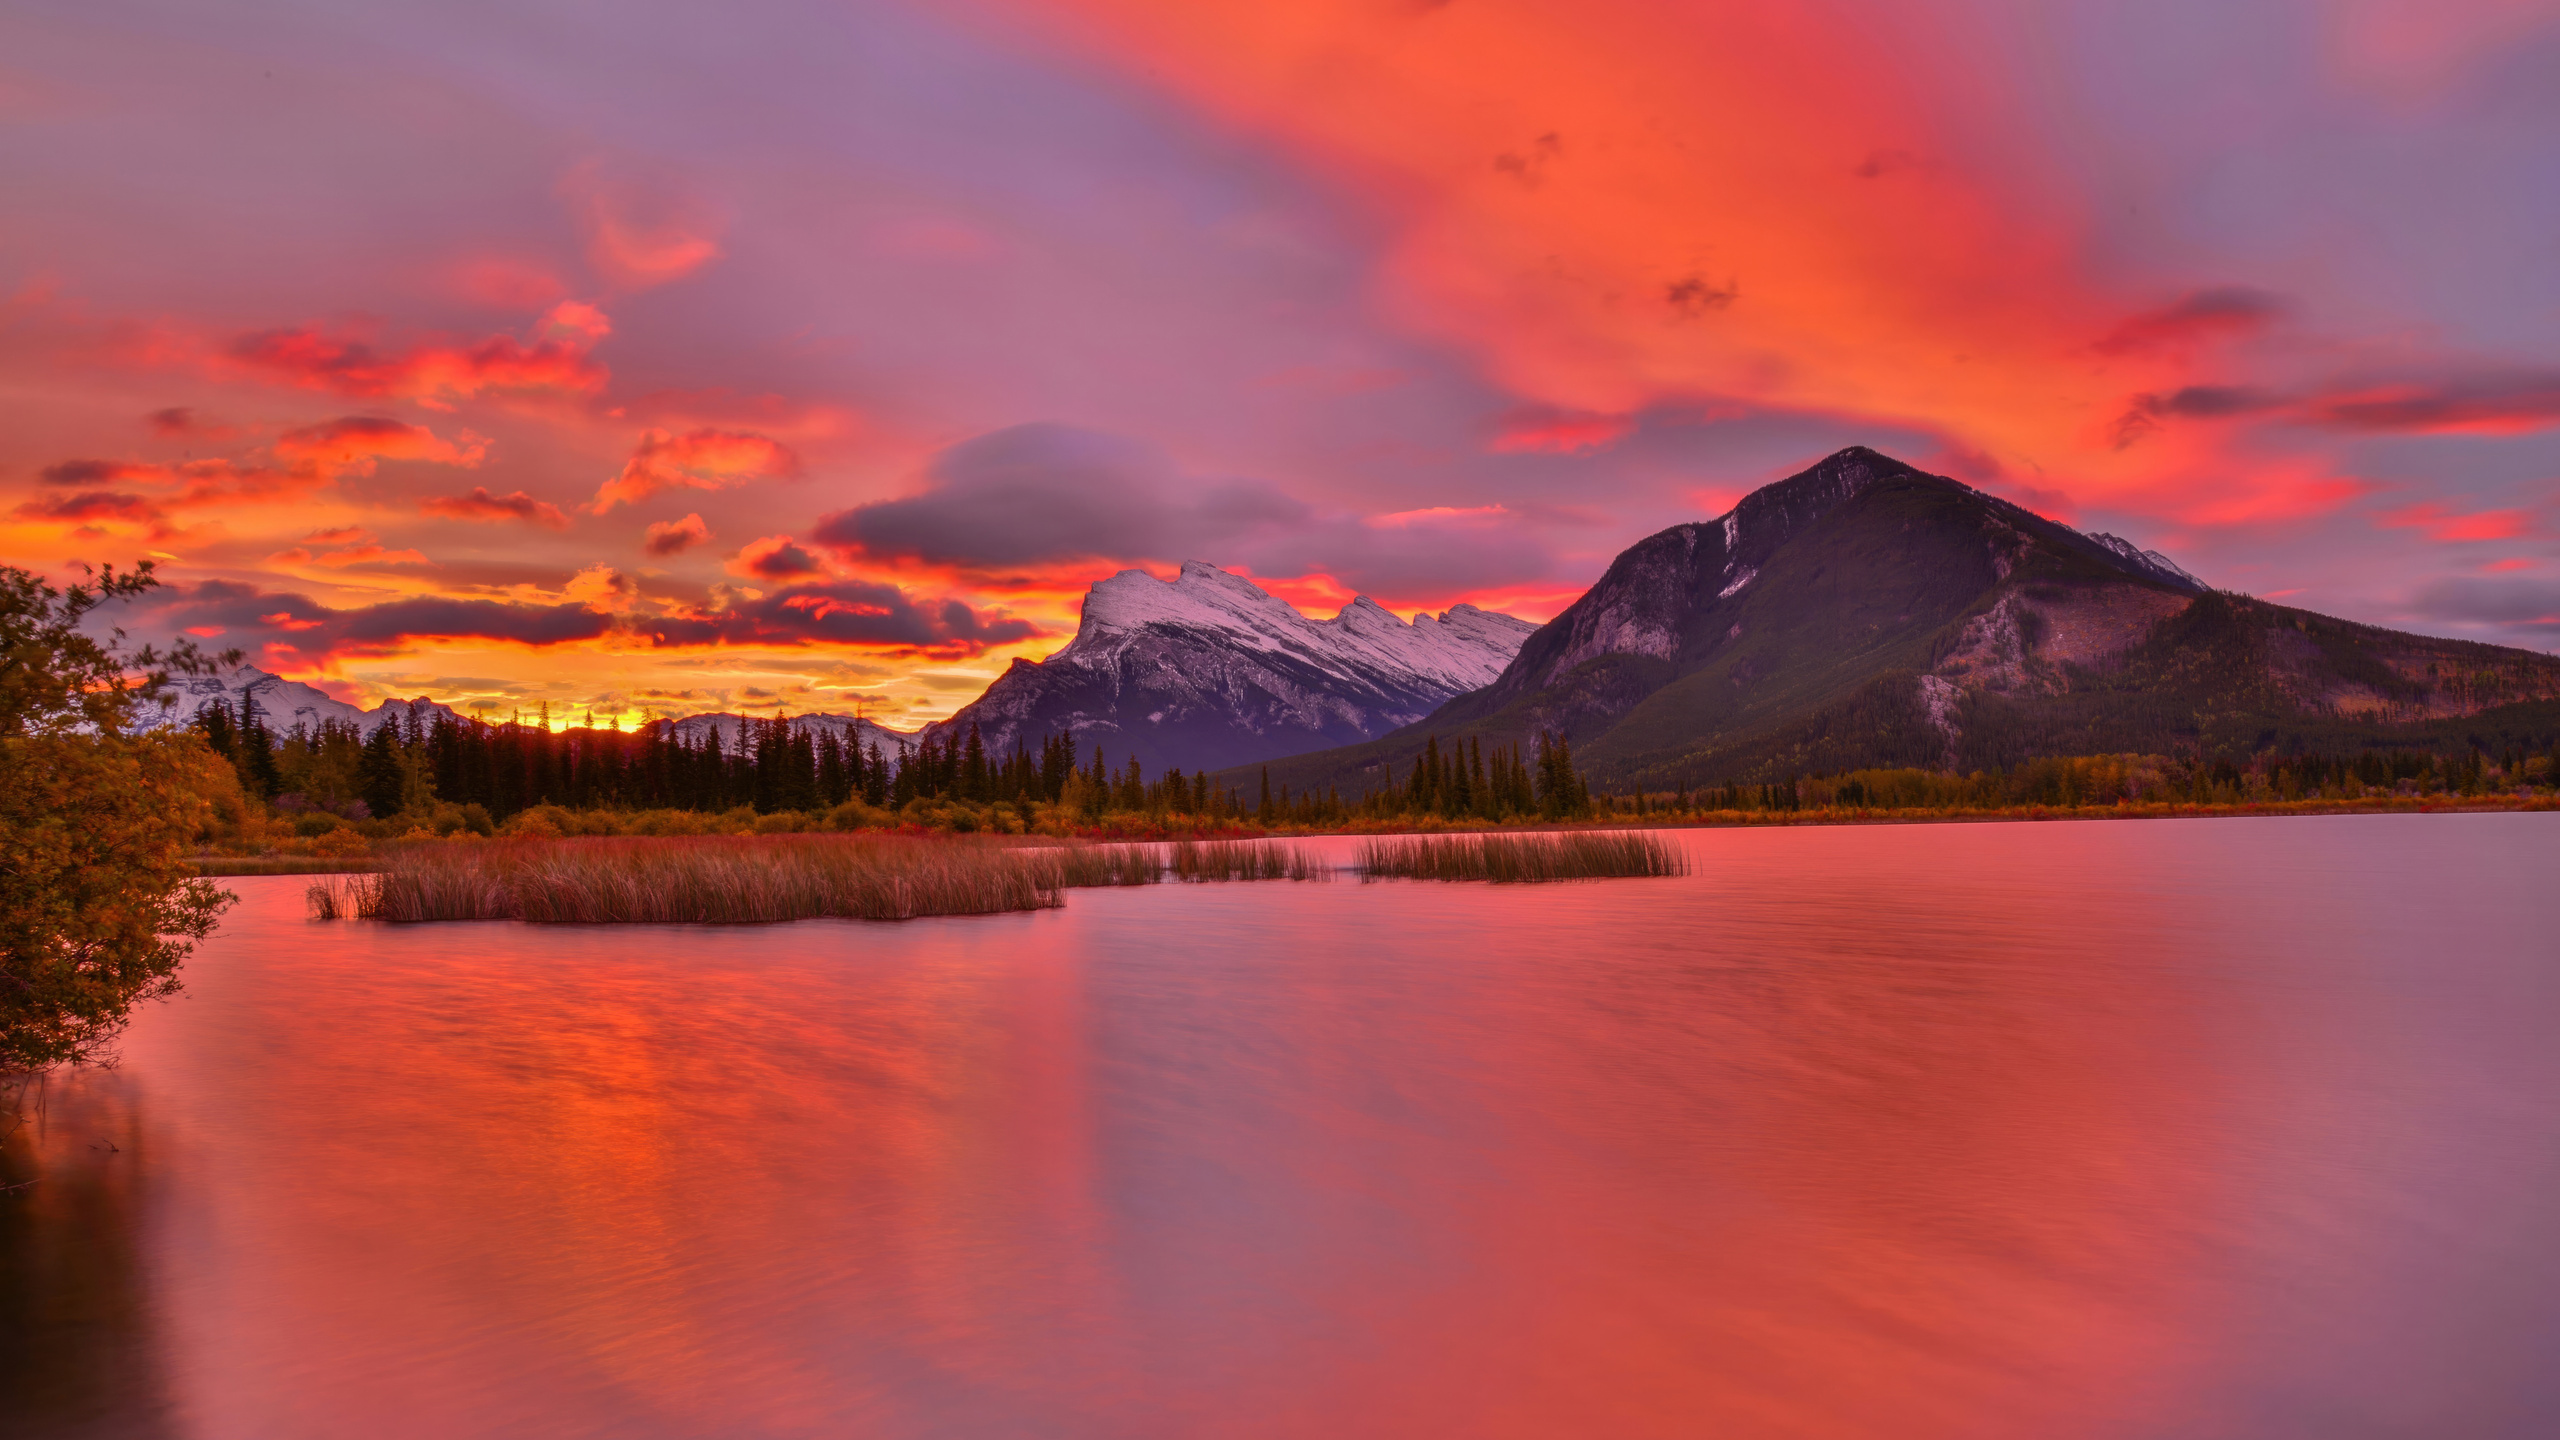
column 423, row 760
column 420, row 758
column 2077, row 780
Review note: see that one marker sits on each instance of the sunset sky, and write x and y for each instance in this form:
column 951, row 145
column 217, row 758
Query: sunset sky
column 681, row 358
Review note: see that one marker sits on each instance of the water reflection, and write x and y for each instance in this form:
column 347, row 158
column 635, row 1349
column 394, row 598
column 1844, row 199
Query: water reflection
column 1959, row 1131
column 80, row 1358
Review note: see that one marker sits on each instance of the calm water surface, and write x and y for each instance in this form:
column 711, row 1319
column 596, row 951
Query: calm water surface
column 2215, row 1128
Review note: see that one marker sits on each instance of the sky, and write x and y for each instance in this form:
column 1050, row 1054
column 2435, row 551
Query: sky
column 643, row 360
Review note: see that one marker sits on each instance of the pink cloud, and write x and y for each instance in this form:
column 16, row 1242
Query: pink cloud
column 1551, row 432
column 2216, row 314
column 674, row 537
column 2441, row 523
column 433, row 373
column 639, row 236
column 506, row 283
column 777, row 558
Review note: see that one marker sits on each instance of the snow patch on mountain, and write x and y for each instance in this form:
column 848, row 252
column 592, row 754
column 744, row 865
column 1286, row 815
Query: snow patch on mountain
column 2159, row 566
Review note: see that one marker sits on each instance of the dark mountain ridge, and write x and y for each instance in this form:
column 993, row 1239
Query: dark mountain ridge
column 1864, row 612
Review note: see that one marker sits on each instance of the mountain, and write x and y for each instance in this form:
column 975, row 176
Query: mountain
column 1210, row 670
column 1866, row 613
column 283, row 704
column 860, row 730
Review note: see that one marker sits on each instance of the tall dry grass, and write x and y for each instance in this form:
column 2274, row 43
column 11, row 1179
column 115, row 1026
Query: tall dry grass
column 1080, row 867
column 740, row 880
column 726, row 880
column 1195, row 860
column 1521, row 859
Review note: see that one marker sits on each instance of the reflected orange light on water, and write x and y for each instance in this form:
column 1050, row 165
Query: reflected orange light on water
column 1944, row 1131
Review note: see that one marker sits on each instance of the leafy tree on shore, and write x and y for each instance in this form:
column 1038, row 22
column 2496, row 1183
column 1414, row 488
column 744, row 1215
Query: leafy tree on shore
column 97, row 903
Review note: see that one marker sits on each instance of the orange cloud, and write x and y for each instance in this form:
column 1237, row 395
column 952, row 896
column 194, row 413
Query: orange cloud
column 481, row 505
column 601, row 587
column 1619, row 205
column 704, row 459
column 300, row 461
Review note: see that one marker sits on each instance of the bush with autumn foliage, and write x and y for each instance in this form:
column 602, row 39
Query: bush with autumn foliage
column 98, row 905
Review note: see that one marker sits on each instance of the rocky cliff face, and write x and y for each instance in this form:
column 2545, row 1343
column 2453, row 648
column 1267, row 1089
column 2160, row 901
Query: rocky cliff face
column 1211, row 671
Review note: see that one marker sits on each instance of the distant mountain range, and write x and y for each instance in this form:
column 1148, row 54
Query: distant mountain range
column 1860, row 613
column 860, row 730
column 1866, row 613
column 282, row 704
column 1210, row 670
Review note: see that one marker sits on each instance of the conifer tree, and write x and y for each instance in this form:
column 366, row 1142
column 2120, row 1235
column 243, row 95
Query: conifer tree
column 380, row 779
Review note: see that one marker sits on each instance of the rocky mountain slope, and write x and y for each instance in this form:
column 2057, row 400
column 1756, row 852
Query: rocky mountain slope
column 1210, row 670
column 1864, row 613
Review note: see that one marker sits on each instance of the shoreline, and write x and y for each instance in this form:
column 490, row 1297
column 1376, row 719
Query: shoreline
column 234, row 866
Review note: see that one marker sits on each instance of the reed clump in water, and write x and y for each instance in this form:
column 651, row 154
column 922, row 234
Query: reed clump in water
column 747, row 880
column 1194, row 860
column 715, row 881
column 1521, row 859
column 1081, row 867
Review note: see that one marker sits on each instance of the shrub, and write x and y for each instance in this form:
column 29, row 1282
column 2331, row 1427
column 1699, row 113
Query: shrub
column 341, row 844
column 98, row 904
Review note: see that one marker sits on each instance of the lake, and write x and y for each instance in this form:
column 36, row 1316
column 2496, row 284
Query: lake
column 2168, row 1128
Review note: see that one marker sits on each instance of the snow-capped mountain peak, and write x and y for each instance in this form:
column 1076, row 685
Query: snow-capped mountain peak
column 1201, row 597
column 1209, row 669
column 1459, row 649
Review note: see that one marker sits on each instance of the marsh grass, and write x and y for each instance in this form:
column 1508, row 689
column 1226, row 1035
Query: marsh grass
column 1079, row 867
column 749, row 880
column 1194, row 861
column 713, row 881
column 1521, row 859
